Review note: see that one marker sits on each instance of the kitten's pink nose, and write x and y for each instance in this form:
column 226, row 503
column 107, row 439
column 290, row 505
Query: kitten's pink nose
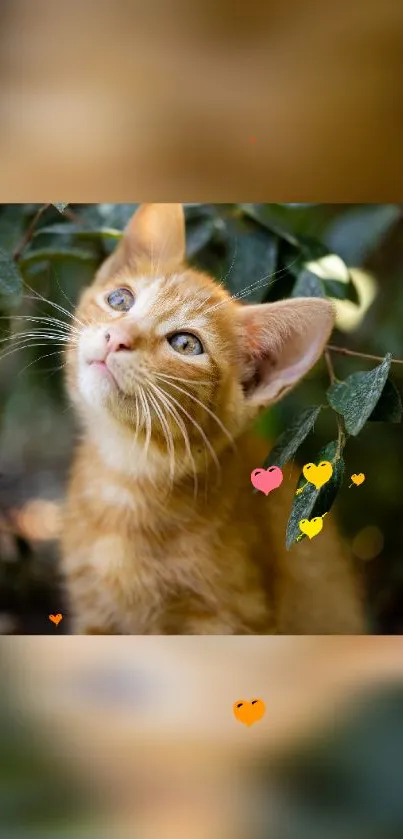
column 119, row 337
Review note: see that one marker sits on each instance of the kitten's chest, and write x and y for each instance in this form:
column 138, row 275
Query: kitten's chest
column 141, row 575
column 147, row 550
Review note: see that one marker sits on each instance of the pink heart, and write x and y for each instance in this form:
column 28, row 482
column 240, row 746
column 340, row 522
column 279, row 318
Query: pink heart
column 266, row 480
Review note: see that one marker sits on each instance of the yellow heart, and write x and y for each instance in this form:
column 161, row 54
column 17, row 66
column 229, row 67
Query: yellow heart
column 311, row 527
column 318, row 475
column 358, row 479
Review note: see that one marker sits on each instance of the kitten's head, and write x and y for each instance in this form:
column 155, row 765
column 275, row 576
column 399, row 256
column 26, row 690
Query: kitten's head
column 164, row 349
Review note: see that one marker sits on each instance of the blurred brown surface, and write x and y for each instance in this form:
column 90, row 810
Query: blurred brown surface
column 159, row 101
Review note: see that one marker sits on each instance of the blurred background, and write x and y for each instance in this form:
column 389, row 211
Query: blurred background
column 112, row 737
column 262, row 252
column 174, row 100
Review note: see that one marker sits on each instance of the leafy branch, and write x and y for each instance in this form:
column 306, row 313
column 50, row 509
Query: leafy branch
column 362, row 396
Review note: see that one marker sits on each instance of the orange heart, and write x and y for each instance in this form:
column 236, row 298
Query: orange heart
column 56, row 618
column 249, row 712
column 358, row 479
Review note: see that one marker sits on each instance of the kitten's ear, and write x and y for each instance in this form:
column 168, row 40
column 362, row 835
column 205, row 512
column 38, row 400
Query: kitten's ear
column 279, row 343
column 155, row 235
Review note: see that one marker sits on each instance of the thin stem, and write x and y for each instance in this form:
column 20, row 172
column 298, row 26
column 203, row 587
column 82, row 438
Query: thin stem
column 341, row 430
column 29, row 232
column 71, row 215
column 329, row 366
column 341, row 435
column 343, row 351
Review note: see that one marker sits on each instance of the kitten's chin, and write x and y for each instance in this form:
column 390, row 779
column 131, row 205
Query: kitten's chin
column 98, row 386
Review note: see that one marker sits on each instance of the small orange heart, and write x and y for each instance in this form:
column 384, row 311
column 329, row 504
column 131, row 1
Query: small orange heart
column 358, row 479
column 56, row 618
column 249, row 712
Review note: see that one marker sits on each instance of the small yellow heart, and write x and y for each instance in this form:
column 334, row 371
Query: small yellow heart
column 318, row 475
column 311, row 527
column 358, row 479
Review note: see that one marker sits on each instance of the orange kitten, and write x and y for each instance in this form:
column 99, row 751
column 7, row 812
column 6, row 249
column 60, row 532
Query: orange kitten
column 163, row 534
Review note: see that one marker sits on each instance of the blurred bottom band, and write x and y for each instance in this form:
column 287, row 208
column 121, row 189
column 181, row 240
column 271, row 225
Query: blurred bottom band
column 138, row 737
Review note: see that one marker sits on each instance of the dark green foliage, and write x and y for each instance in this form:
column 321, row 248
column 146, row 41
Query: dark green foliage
column 312, row 502
column 10, row 280
column 55, row 254
column 254, row 254
column 308, row 285
column 389, row 405
column 356, row 397
column 291, row 439
column 341, row 291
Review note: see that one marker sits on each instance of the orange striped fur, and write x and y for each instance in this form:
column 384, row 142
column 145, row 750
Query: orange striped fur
column 162, row 532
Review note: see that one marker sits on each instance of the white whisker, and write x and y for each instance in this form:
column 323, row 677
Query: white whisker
column 46, row 355
column 254, row 286
column 48, row 320
column 37, row 296
column 167, row 435
column 202, row 405
column 19, row 336
column 187, row 381
column 181, row 425
column 23, row 347
column 147, row 418
column 197, row 426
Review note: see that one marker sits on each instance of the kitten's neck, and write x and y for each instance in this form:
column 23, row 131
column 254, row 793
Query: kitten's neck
column 131, row 456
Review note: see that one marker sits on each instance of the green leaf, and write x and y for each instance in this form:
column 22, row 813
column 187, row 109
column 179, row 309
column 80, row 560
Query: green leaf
column 10, row 277
column 81, row 232
column 389, row 405
column 272, row 218
column 336, row 289
column 199, row 231
column 49, row 254
column 359, row 231
column 11, row 226
column 342, row 291
column 290, row 221
column 61, row 207
column 115, row 216
column 251, row 260
column 308, row 285
column 312, row 502
column 332, row 271
column 291, row 439
column 356, row 397
column 312, row 249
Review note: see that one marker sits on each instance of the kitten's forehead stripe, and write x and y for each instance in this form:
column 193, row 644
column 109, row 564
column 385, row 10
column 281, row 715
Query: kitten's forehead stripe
column 168, row 303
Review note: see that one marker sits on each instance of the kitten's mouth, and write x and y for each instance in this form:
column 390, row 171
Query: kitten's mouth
column 104, row 370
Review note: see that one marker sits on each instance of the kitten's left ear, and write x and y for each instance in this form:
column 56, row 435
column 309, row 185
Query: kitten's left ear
column 279, row 343
column 155, row 235
column 157, row 231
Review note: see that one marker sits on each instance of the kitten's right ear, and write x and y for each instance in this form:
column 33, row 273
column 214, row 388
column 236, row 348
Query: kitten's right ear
column 279, row 343
column 154, row 235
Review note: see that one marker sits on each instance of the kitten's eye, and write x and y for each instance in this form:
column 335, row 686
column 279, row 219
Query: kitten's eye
column 121, row 299
column 186, row 343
